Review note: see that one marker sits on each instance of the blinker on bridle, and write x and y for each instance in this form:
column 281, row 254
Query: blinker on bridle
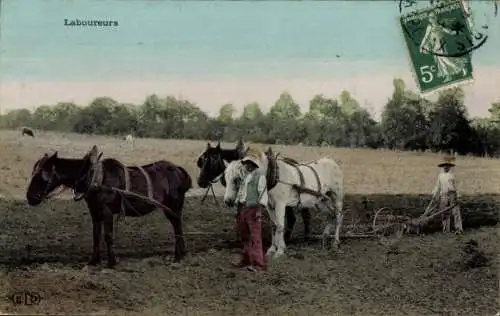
column 54, row 175
column 219, row 162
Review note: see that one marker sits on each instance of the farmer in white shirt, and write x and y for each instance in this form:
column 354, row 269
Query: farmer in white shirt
column 446, row 192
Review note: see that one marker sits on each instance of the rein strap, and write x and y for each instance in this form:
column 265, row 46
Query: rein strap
column 148, row 181
column 126, row 175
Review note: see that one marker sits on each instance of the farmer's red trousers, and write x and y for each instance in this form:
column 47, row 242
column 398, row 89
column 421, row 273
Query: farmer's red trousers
column 249, row 228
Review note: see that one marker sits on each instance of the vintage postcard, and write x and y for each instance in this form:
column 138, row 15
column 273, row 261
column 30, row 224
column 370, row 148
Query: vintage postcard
column 249, row 157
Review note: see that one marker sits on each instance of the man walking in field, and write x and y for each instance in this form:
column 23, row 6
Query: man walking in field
column 446, row 192
column 252, row 198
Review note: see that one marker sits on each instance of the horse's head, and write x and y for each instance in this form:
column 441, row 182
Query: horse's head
column 211, row 162
column 211, row 165
column 233, row 175
column 236, row 171
column 44, row 179
column 87, row 174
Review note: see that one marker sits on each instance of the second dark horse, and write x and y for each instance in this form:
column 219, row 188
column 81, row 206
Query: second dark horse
column 96, row 182
column 212, row 166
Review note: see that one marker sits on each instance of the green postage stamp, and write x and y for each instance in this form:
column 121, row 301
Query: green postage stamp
column 438, row 41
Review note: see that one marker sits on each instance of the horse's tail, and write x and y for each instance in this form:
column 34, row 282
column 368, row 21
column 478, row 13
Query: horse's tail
column 188, row 182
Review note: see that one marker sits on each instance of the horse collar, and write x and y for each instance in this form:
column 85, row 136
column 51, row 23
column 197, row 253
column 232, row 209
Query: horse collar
column 95, row 173
column 272, row 174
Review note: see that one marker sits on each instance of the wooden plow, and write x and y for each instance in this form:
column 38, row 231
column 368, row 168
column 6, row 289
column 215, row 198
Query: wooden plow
column 389, row 228
column 386, row 226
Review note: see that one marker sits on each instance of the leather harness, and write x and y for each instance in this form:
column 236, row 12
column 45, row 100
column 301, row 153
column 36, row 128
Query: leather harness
column 301, row 175
column 126, row 174
column 296, row 166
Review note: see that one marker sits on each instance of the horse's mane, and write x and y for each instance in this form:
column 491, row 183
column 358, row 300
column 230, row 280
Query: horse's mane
column 290, row 161
column 235, row 170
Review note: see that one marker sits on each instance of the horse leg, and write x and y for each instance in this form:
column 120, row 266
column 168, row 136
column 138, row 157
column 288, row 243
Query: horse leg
column 290, row 222
column 306, row 218
column 108, row 237
column 330, row 219
column 338, row 227
column 96, row 215
column 96, row 234
column 272, row 249
column 180, row 246
column 280, row 225
column 340, row 216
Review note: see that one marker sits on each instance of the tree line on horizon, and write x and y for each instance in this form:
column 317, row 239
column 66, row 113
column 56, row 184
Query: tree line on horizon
column 408, row 122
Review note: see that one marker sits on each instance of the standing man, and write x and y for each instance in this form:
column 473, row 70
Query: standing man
column 446, row 192
column 253, row 199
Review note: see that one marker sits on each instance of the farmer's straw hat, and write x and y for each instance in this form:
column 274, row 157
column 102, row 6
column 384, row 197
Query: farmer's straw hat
column 447, row 161
column 253, row 155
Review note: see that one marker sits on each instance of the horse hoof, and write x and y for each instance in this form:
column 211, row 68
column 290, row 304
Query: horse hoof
column 179, row 257
column 278, row 254
column 287, row 237
column 94, row 261
column 111, row 264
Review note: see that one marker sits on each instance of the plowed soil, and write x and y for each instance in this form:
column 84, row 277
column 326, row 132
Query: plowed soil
column 44, row 250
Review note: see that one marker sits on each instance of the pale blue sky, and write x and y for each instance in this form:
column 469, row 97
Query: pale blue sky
column 166, row 40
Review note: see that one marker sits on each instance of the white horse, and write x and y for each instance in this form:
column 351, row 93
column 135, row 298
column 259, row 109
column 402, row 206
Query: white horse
column 129, row 139
column 322, row 176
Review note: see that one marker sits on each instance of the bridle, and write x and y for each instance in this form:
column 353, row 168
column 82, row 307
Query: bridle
column 217, row 163
column 54, row 176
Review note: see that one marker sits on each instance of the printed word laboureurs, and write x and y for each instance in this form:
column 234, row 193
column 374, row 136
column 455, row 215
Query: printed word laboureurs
column 78, row 22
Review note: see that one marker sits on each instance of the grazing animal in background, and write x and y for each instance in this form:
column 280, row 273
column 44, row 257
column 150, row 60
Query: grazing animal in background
column 27, row 131
column 130, row 140
column 109, row 187
column 290, row 184
column 212, row 163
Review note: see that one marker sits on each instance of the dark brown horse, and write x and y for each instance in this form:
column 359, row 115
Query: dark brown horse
column 108, row 187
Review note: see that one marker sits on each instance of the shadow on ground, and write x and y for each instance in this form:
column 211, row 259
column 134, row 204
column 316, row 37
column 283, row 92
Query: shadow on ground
column 60, row 231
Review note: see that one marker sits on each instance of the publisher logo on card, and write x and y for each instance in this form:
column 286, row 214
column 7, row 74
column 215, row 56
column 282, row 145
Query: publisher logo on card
column 25, row 298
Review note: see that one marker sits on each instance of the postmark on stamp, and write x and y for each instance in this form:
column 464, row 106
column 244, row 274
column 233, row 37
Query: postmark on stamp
column 440, row 39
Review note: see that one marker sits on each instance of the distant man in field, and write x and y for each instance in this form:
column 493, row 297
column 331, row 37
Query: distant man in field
column 252, row 199
column 446, row 192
